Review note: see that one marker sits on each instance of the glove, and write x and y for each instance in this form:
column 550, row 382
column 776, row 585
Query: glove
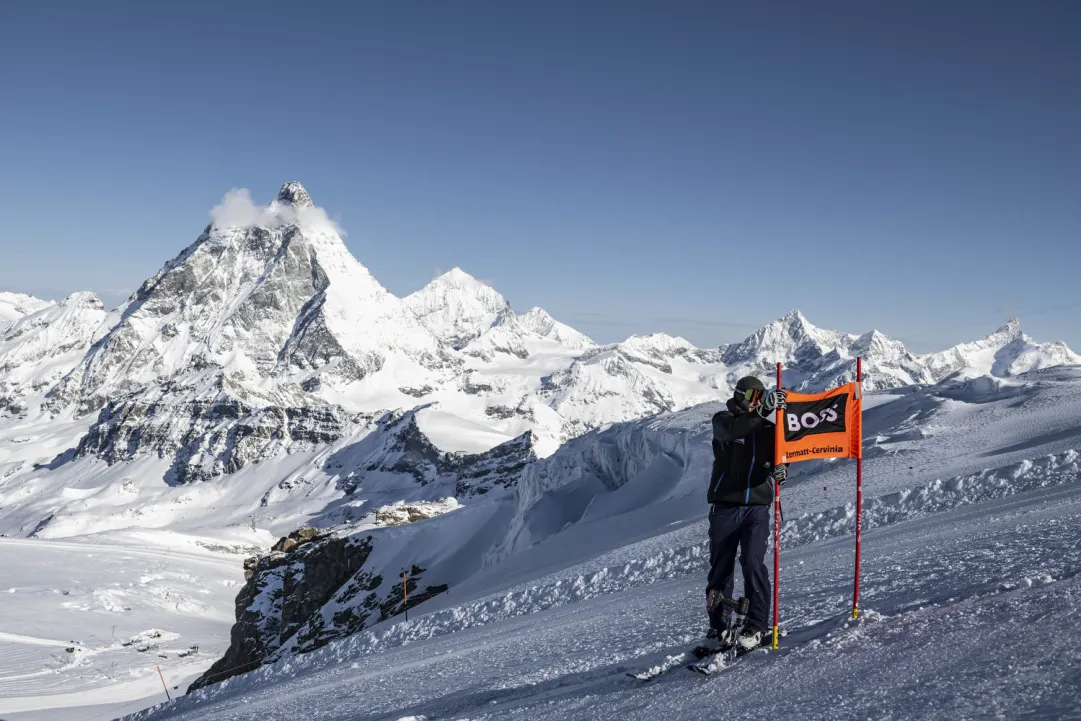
column 780, row 474
column 772, row 401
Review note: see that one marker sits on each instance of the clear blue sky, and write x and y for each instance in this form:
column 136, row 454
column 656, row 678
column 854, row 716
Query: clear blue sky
column 630, row 166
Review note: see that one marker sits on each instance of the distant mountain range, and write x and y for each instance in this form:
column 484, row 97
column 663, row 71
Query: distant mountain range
column 271, row 316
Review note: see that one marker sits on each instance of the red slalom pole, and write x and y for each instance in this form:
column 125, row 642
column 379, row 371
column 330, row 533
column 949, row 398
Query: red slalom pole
column 778, row 457
column 859, row 498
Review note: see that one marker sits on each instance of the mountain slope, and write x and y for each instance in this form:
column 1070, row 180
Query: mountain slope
column 1004, row 353
column 40, row 347
column 15, row 305
column 262, row 293
column 538, row 322
column 456, row 307
column 946, row 625
column 266, row 336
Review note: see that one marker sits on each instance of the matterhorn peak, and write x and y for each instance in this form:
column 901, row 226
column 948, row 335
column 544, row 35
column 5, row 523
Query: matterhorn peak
column 294, row 194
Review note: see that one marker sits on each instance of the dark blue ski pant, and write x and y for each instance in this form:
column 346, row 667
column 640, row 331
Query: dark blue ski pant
column 745, row 528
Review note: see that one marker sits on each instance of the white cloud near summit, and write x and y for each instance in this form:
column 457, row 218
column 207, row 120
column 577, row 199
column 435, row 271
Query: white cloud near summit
column 236, row 210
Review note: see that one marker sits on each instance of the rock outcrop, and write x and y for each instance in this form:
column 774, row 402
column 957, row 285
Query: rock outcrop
column 316, row 585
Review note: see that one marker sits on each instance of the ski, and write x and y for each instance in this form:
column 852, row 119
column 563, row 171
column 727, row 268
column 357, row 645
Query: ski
column 653, row 672
column 674, row 660
column 719, row 657
column 722, row 661
column 727, row 657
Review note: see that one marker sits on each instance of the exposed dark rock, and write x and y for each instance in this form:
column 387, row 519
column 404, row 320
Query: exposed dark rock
column 500, row 412
column 358, row 605
column 314, row 592
column 294, row 194
column 297, row 537
column 418, row 392
column 206, row 437
column 475, row 388
column 501, row 466
column 283, row 590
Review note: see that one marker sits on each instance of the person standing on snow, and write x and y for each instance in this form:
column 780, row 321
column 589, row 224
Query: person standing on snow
column 741, row 490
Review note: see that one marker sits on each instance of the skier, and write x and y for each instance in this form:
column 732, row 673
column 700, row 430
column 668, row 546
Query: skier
column 741, row 489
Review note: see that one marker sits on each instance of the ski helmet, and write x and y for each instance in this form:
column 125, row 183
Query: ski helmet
column 749, row 389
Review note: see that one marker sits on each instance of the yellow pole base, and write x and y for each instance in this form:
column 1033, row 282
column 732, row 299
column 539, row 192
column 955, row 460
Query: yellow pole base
column 776, row 638
column 855, row 612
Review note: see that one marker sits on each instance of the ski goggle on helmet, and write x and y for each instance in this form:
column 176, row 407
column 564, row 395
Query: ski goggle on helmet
column 750, row 390
column 751, row 395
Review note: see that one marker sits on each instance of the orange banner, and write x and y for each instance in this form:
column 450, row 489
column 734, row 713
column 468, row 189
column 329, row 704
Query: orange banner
column 822, row 425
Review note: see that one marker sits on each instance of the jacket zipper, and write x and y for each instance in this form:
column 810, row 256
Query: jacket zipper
column 754, row 454
column 718, row 483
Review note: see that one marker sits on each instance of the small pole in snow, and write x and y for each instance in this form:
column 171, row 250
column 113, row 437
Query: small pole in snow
column 778, row 457
column 167, row 696
column 859, row 496
column 405, row 593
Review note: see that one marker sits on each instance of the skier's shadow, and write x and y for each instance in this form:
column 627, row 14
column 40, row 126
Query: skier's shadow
column 605, row 680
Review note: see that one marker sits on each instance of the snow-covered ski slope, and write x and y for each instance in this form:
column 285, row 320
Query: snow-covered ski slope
column 83, row 625
column 952, row 603
column 969, row 555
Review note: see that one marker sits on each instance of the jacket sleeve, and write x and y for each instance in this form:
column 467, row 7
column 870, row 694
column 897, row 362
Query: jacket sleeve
column 728, row 427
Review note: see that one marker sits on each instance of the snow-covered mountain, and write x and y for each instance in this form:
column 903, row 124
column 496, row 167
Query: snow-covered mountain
column 266, row 336
column 456, row 307
column 814, row 359
column 537, row 321
column 473, row 317
column 262, row 294
column 43, row 345
column 1006, row 352
column 15, row 305
column 792, row 340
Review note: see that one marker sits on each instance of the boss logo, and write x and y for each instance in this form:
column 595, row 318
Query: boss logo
column 821, row 416
column 810, row 420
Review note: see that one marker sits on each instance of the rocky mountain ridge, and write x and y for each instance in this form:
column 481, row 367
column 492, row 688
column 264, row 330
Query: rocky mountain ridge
column 266, row 337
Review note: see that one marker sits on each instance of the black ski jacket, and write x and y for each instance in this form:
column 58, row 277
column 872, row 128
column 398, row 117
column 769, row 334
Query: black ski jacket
column 743, row 445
